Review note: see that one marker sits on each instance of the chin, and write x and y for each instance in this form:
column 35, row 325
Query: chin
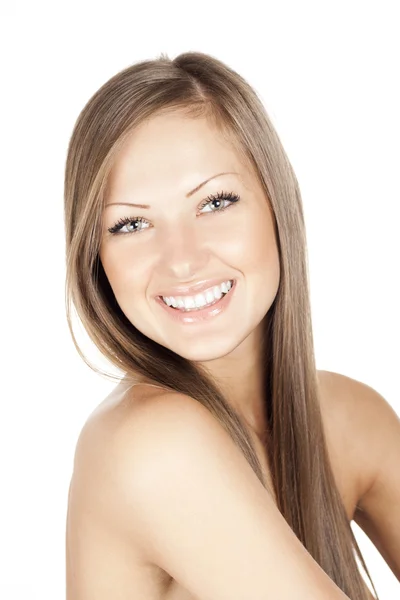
column 203, row 351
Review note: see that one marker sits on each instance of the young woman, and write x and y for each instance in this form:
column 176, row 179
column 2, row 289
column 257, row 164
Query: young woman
column 224, row 465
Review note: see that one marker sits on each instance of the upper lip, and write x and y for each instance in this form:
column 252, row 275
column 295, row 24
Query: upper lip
column 191, row 290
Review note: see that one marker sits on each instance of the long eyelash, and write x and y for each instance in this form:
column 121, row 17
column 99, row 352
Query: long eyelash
column 231, row 196
column 124, row 221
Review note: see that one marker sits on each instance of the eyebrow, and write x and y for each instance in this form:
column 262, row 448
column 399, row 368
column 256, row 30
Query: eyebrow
column 193, row 191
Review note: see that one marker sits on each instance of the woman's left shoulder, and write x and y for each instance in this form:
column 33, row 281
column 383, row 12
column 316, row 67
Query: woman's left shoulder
column 361, row 421
column 366, row 430
column 358, row 407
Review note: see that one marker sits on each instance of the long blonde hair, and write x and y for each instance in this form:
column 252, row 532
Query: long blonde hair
column 201, row 85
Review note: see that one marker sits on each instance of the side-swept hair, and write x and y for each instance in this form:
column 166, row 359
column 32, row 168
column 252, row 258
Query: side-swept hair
column 200, row 85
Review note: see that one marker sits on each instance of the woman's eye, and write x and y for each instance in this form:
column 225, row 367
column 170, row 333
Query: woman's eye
column 220, row 201
column 129, row 224
column 215, row 204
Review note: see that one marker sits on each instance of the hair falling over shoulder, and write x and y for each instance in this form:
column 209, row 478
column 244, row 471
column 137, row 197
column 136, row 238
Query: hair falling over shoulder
column 200, row 85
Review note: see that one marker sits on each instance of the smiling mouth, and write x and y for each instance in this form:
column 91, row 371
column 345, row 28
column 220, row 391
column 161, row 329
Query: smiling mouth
column 199, row 307
column 180, row 302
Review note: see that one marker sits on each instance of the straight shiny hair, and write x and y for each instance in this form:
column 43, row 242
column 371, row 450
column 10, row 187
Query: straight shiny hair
column 199, row 85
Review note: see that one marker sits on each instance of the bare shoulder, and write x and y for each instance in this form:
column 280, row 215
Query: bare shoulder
column 104, row 554
column 359, row 419
column 174, row 483
column 370, row 430
column 134, row 434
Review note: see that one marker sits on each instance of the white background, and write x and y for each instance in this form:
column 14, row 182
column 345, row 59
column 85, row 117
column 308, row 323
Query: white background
column 328, row 74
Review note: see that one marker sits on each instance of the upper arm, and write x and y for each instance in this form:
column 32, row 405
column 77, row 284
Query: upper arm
column 182, row 489
column 378, row 510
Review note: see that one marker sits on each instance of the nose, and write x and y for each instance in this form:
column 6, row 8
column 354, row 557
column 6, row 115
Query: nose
column 182, row 253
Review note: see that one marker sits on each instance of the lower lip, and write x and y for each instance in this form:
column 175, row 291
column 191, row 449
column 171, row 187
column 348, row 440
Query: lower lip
column 200, row 315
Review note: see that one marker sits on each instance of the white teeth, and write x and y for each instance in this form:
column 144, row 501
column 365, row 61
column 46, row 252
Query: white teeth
column 209, row 296
column 189, row 302
column 199, row 300
column 217, row 292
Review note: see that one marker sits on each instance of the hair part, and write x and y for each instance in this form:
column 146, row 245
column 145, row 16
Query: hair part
column 199, row 85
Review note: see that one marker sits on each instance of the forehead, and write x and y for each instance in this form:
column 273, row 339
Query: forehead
column 173, row 150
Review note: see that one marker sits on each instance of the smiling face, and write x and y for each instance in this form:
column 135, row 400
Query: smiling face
column 219, row 232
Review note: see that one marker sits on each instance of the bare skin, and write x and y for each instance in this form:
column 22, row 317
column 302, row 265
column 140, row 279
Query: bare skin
column 93, row 546
column 181, row 242
column 178, row 242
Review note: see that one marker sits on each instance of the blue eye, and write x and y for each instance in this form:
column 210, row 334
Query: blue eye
column 119, row 225
column 218, row 200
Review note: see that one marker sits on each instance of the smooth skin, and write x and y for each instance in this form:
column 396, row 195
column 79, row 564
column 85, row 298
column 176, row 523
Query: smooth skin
column 145, row 458
column 165, row 481
column 181, row 243
column 178, row 489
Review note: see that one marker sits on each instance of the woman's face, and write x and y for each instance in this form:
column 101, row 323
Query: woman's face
column 180, row 240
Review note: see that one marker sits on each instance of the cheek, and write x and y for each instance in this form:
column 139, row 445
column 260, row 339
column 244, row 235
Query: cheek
column 263, row 246
column 249, row 243
column 126, row 270
column 261, row 267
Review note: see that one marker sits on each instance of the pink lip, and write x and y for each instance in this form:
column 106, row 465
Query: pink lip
column 200, row 315
column 185, row 290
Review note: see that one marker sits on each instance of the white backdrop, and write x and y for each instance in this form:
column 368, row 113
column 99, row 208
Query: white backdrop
column 328, row 74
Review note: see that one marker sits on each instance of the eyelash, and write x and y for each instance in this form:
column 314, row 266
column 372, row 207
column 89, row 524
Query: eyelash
column 231, row 197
